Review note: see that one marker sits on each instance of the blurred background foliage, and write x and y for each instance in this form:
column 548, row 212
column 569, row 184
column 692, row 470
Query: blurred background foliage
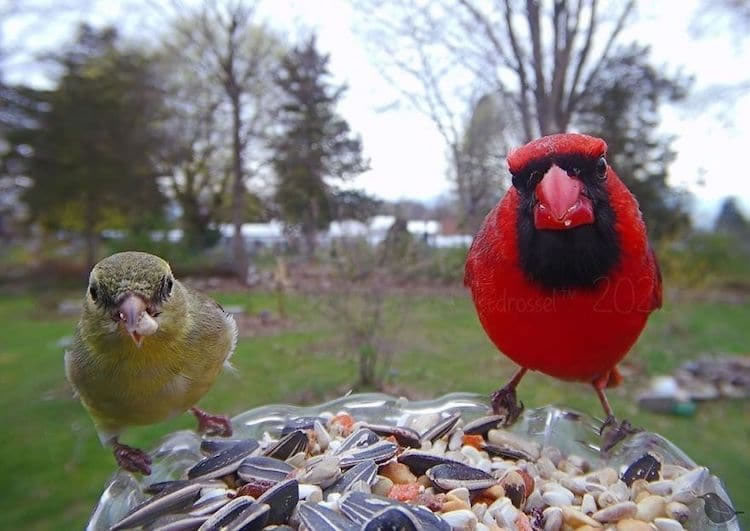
column 220, row 142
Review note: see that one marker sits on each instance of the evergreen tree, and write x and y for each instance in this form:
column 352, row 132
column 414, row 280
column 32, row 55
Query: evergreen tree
column 623, row 109
column 87, row 145
column 315, row 145
column 731, row 220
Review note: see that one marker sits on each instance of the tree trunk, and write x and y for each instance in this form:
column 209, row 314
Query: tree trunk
column 238, row 194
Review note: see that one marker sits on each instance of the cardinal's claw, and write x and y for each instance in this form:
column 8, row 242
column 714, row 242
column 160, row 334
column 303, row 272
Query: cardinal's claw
column 132, row 459
column 218, row 425
column 612, row 432
column 505, row 402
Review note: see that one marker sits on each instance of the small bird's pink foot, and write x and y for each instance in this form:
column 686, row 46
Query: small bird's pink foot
column 132, row 459
column 612, row 432
column 212, row 424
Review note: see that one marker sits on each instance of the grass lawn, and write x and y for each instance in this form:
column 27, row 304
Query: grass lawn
column 54, row 468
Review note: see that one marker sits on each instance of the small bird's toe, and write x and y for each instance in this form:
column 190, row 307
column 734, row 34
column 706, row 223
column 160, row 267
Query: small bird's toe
column 132, row 459
column 215, row 425
column 612, row 432
column 505, row 402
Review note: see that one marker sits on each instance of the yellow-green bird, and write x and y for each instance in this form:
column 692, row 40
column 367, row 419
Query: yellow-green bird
column 146, row 348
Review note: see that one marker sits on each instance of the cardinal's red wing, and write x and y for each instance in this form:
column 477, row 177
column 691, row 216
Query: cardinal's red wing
column 656, row 297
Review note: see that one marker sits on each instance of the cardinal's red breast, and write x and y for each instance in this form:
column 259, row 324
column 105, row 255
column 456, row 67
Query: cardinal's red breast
column 572, row 334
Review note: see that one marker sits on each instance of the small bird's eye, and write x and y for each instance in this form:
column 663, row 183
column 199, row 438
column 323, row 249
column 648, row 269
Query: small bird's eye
column 94, row 292
column 169, row 283
column 576, row 171
column 601, row 168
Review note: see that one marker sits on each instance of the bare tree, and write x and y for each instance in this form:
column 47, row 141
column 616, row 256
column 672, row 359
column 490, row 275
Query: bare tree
column 539, row 60
column 229, row 47
column 500, row 46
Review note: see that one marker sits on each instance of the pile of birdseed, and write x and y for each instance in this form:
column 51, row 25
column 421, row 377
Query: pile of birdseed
column 438, row 470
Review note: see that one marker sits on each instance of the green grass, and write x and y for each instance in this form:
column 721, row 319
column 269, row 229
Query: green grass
column 54, row 468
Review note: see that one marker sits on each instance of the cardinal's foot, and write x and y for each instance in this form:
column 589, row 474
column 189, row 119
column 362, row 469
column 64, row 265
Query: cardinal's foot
column 212, row 424
column 132, row 459
column 612, row 432
column 505, row 402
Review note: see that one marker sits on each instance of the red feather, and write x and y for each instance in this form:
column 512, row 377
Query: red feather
column 576, row 334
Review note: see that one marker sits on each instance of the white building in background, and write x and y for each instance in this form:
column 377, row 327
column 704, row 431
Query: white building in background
column 257, row 234
column 272, row 234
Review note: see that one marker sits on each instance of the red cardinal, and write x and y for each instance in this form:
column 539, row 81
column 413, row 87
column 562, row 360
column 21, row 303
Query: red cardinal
column 561, row 271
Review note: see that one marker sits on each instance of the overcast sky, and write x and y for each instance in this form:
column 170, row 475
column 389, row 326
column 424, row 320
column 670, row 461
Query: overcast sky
column 407, row 154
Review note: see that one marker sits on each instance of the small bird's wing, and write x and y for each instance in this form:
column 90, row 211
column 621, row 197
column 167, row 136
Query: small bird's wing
column 212, row 327
column 69, row 368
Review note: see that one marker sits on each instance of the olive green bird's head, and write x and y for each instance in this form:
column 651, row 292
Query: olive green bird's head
column 135, row 294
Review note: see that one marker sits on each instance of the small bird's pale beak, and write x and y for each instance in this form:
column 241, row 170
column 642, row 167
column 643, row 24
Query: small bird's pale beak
column 561, row 202
column 138, row 323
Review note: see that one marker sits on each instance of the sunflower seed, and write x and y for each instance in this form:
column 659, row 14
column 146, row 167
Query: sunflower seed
column 379, row 452
column 226, row 514
column 442, row 428
column 420, row 462
column 393, row 519
column 359, row 439
column 168, row 500
column 264, row 469
column 451, row 476
column 320, row 518
column 290, row 444
column 645, row 467
column 364, row 471
column 404, row 436
column 251, row 518
column 283, row 498
column 212, row 446
column 224, row 462
column 483, row 425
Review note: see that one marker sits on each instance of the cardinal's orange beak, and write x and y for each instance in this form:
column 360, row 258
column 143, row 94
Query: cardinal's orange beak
column 561, row 203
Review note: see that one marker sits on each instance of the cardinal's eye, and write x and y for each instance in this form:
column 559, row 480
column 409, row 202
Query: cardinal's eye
column 601, row 168
column 94, row 292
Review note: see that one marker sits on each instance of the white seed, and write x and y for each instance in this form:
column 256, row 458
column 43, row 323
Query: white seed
column 667, row 524
column 588, row 504
column 479, row 509
column 534, row 501
column 439, row 447
column 546, row 467
column 553, row 519
column 463, row 519
column 311, row 493
column 557, row 498
column 618, row 511
column 576, row 518
column 553, row 454
column 462, row 493
column 382, row 486
column 650, row 507
column 321, row 435
column 456, row 440
column 660, row 488
column 678, row 511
